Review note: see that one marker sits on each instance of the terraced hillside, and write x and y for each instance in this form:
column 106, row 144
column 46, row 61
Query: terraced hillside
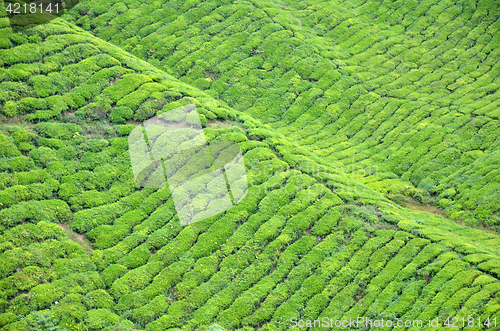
column 83, row 247
column 402, row 93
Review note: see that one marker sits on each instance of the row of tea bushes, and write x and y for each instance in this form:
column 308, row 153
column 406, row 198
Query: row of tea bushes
column 362, row 93
column 290, row 239
column 306, row 238
column 63, row 70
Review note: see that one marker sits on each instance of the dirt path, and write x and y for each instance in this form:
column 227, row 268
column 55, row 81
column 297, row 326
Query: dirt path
column 80, row 239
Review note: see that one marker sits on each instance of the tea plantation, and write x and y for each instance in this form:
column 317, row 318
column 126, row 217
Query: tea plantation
column 360, row 83
column 355, row 119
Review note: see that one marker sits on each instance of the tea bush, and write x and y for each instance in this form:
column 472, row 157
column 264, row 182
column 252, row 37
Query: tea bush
column 121, row 114
column 34, row 211
column 98, row 319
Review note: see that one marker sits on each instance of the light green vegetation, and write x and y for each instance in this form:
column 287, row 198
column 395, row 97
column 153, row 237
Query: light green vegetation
column 339, row 110
column 403, row 94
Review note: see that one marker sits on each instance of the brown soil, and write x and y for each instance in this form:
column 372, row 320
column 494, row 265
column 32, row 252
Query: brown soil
column 429, row 209
column 80, row 239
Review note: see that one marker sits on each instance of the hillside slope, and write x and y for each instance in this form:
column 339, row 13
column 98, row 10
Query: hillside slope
column 79, row 239
column 402, row 94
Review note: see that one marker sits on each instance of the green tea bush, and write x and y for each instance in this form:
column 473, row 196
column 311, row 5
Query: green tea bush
column 10, row 108
column 106, row 236
column 112, row 273
column 151, row 311
column 98, row 299
column 30, row 177
column 98, row 319
column 37, row 191
column 121, row 114
column 132, row 281
column 67, row 153
column 126, row 84
column 91, row 160
column 26, row 234
column 29, row 104
column 64, row 131
column 34, row 211
column 8, row 148
column 95, row 145
column 87, row 219
column 51, row 142
column 148, row 109
column 43, row 156
column 124, row 130
column 23, row 138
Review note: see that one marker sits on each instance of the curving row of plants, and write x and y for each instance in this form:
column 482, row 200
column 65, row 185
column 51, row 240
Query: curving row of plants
column 365, row 85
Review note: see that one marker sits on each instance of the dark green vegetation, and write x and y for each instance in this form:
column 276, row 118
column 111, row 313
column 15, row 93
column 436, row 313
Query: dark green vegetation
column 341, row 110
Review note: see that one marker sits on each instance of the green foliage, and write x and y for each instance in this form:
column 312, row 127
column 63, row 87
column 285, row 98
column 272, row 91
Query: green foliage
column 10, row 108
column 98, row 299
column 112, row 273
column 98, row 319
column 121, row 114
column 331, row 114
column 124, row 130
column 64, row 131
column 42, row 322
column 8, row 149
column 43, row 156
column 37, row 191
column 35, row 211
